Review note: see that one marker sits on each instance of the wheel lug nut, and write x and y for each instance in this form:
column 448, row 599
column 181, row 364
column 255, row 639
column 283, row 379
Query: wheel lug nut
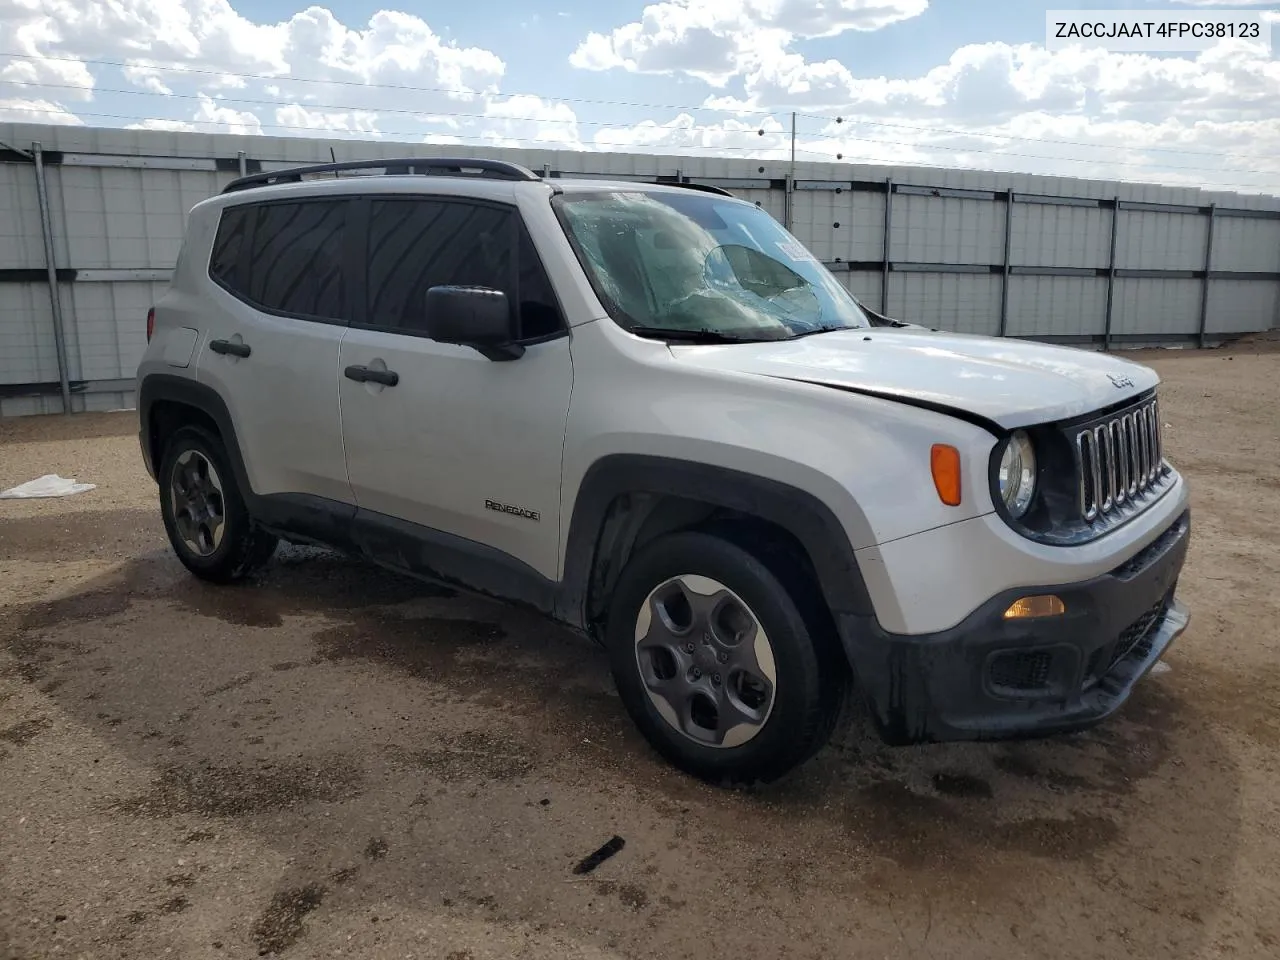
column 697, row 674
column 723, row 657
column 688, row 647
column 716, row 679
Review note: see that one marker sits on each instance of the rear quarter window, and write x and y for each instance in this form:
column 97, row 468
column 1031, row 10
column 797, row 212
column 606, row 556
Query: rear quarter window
column 226, row 265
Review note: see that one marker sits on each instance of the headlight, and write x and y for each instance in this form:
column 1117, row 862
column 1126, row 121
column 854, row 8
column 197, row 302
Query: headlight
column 1018, row 474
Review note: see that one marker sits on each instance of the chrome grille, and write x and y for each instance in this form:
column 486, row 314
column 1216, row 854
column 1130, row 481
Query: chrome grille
column 1118, row 459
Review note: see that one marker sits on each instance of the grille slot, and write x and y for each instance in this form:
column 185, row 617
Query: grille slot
column 1135, row 638
column 1118, row 459
column 1021, row 671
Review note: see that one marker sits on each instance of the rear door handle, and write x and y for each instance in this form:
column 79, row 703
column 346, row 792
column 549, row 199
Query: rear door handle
column 361, row 374
column 229, row 347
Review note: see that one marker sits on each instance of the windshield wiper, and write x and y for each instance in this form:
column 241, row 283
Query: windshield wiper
column 816, row 330
column 700, row 335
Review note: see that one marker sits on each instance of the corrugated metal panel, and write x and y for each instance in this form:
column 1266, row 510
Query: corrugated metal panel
column 1156, row 306
column 27, row 352
column 965, row 303
column 1160, row 241
column 860, row 218
column 20, row 237
column 111, row 327
column 947, row 230
column 863, row 285
column 1046, row 235
column 1236, row 306
column 1246, row 244
column 1056, row 306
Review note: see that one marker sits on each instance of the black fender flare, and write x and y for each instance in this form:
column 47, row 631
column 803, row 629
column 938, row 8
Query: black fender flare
column 158, row 387
column 796, row 511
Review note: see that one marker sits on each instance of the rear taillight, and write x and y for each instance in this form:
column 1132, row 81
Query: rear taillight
column 151, row 323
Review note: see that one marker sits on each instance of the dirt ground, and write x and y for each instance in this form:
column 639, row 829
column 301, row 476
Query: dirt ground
column 334, row 761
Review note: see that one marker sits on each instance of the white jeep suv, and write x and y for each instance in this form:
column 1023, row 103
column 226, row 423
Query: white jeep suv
column 648, row 412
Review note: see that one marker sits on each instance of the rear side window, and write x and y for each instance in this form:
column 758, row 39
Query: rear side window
column 296, row 259
column 416, row 244
column 226, row 262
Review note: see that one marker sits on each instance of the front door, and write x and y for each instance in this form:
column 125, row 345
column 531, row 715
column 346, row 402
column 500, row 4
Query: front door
column 459, row 446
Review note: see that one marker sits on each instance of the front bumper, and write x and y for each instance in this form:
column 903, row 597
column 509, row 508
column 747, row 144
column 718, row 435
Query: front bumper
column 992, row 678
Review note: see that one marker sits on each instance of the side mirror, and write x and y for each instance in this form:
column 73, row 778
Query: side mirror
column 472, row 317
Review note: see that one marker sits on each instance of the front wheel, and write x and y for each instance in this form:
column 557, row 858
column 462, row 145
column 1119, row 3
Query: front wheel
column 718, row 665
column 204, row 513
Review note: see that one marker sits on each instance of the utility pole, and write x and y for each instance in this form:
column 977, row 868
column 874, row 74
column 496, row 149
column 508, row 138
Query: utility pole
column 791, row 177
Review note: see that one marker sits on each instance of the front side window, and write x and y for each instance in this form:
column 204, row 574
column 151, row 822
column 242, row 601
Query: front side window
column 670, row 262
column 296, row 264
column 416, row 244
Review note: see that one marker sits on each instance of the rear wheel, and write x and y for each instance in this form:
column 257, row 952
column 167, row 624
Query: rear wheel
column 204, row 513
column 717, row 663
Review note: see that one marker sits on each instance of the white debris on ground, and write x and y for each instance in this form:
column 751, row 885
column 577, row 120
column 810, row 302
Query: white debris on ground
column 1161, row 667
column 50, row 485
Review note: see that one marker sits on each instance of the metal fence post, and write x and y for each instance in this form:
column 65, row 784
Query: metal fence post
column 1008, row 247
column 1111, row 274
column 243, row 159
column 1208, row 265
column 884, row 264
column 55, row 299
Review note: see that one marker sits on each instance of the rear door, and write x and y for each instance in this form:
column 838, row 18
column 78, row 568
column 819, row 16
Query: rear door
column 280, row 302
column 461, row 446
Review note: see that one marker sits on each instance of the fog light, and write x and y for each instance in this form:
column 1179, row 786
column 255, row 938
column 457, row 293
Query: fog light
column 1045, row 605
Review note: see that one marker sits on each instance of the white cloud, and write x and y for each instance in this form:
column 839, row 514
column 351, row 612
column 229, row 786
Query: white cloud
column 170, row 125
column 296, row 117
column 146, row 77
column 36, row 111
column 715, row 40
column 213, row 118
column 211, row 36
column 531, row 121
column 685, row 135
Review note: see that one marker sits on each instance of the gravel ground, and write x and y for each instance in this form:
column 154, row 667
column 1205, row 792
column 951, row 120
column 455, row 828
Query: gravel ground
column 334, row 761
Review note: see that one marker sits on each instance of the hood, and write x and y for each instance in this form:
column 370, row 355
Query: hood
column 1007, row 382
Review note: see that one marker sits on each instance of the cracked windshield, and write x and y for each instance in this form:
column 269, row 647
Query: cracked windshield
column 702, row 265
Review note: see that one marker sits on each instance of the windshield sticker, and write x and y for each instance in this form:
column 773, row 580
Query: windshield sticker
column 795, row 250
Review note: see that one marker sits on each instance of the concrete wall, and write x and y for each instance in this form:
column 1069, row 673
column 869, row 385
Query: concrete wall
column 986, row 253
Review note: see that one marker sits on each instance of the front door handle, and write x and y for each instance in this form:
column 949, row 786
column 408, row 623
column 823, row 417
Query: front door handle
column 230, row 347
column 362, row 374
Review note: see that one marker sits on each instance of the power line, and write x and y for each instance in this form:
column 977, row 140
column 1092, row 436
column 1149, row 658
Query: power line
column 499, row 140
column 319, row 106
column 1011, row 136
column 268, row 78
column 1032, row 156
column 373, row 135
column 605, row 125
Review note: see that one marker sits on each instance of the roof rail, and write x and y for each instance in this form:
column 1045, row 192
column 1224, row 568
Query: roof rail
column 431, row 166
column 704, row 187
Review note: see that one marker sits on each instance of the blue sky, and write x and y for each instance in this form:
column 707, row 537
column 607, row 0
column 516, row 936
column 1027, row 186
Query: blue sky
column 939, row 82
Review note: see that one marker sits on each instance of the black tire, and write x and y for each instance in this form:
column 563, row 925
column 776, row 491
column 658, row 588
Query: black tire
column 243, row 546
column 811, row 675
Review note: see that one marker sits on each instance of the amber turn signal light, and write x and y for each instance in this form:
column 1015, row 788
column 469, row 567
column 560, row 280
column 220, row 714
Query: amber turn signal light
column 1045, row 605
column 944, row 461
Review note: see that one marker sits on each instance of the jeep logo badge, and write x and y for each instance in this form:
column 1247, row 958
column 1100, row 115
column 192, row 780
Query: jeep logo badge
column 1119, row 381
